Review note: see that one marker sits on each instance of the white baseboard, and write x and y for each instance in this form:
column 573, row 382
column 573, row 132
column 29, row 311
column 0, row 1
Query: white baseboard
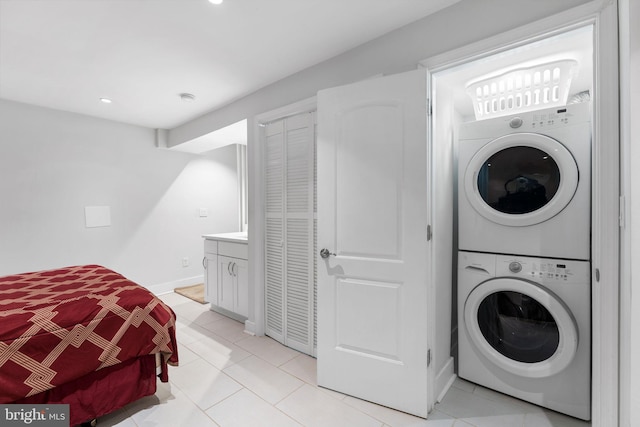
column 250, row 327
column 445, row 379
column 167, row 287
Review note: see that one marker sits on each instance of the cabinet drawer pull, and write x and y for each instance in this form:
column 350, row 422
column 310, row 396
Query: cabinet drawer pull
column 204, row 263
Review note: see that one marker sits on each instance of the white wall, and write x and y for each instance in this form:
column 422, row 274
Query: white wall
column 53, row 164
column 400, row 50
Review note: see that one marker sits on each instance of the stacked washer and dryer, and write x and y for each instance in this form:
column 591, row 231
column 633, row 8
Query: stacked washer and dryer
column 524, row 288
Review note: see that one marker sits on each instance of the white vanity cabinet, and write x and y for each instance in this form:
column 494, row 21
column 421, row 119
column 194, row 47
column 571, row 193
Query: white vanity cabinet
column 233, row 286
column 226, row 274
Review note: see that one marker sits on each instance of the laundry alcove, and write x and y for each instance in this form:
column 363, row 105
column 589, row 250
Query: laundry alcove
column 444, row 133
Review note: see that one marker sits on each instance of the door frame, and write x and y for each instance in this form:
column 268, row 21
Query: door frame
column 255, row 157
column 605, row 266
column 629, row 83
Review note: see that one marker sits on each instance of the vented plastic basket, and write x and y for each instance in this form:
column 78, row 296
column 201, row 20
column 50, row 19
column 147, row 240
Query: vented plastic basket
column 525, row 89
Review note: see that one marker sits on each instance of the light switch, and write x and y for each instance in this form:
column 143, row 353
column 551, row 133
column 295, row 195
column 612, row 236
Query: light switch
column 204, row 212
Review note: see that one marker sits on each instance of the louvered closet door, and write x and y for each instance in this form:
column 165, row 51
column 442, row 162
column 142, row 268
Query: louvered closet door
column 289, row 251
column 274, row 225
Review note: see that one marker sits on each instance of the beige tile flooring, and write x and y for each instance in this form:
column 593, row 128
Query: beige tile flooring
column 228, row 378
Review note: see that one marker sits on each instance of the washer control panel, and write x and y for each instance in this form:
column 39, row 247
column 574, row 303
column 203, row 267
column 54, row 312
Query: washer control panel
column 515, row 267
column 516, row 122
column 550, row 270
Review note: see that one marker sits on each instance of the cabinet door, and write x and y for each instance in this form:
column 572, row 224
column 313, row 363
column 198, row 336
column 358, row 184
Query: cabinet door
column 240, row 269
column 226, row 287
column 210, row 264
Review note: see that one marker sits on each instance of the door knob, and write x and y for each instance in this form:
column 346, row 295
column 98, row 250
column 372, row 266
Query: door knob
column 324, row 253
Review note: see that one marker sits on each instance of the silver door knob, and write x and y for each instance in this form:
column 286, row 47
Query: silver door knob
column 324, row 253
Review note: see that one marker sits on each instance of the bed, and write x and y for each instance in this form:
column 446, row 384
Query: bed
column 82, row 335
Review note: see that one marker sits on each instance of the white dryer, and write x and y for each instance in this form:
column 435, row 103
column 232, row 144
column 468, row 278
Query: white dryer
column 524, row 184
column 524, row 328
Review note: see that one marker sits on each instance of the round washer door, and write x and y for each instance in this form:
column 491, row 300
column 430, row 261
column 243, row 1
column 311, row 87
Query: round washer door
column 521, row 327
column 521, row 179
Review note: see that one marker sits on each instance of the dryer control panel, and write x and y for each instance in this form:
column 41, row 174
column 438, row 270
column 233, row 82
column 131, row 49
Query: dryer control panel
column 532, row 121
column 549, row 118
column 543, row 270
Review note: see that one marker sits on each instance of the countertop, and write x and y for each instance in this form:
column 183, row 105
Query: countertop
column 238, row 237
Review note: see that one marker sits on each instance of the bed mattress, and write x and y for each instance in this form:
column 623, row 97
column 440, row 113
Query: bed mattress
column 57, row 326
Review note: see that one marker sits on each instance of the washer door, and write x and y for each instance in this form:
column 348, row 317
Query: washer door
column 521, row 327
column 521, row 179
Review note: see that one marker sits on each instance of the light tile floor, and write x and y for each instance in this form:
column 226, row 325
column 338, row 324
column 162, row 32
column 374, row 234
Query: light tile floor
column 228, row 378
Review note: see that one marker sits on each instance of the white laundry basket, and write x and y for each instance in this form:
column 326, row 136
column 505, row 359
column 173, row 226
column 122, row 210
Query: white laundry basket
column 524, row 89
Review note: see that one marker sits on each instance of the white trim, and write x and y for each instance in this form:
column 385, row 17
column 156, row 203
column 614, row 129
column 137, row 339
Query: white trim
column 432, row 222
column 241, row 171
column 445, row 379
column 168, row 287
column 602, row 14
column 250, row 327
column 626, row 303
column 606, row 231
column 255, row 155
column 305, row 106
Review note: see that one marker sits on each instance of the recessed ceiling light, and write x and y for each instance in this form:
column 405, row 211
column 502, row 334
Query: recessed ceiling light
column 215, row 1
column 187, row 97
column 105, row 100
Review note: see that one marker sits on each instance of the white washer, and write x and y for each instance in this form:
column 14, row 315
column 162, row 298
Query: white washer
column 524, row 328
column 524, row 184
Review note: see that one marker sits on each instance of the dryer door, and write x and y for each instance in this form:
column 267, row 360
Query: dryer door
column 521, row 327
column 521, row 179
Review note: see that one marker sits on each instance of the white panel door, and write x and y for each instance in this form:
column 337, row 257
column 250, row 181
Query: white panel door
column 372, row 217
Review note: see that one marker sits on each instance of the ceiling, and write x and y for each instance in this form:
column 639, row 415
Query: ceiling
column 142, row 54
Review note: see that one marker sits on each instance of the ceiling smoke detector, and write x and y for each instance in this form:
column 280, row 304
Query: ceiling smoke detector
column 187, row 97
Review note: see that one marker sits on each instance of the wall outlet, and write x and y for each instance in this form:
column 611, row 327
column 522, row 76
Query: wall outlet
column 185, row 262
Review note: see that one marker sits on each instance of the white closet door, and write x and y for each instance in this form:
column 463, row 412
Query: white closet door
column 274, row 243
column 373, row 217
column 289, row 231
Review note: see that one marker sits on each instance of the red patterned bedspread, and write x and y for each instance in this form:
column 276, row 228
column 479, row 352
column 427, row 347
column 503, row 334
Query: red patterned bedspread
column 58, row 325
